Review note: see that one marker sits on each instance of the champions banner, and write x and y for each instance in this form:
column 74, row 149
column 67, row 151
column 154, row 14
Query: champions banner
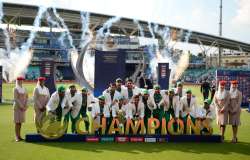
column 109, row 65
column 133, row 130
column 243, row 78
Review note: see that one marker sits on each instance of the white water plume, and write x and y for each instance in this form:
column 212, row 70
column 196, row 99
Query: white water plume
column 16, row 61
column 141, row 31
column 181, row 66
column 86, row 36
column 106, row 26
column 67, row 32
column 151, row 30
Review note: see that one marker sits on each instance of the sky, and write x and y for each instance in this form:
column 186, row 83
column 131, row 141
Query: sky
column 198, row 15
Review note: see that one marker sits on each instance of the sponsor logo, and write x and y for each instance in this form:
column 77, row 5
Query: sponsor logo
column 122, row 139
column 107, row 139
column 136, row 139
column 150, row 139
column 92, row 139
column 162, row 140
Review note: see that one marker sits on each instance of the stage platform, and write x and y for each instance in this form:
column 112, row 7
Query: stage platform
column 126, row 138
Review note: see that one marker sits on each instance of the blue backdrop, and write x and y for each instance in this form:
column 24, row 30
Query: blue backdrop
column 163, row 75
column 243, row 77
column 109, row 65
column 48, row 71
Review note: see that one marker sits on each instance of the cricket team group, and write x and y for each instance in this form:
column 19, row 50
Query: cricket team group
column 125, row 100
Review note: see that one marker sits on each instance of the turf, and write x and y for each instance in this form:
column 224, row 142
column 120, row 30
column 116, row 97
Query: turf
column 64, row 151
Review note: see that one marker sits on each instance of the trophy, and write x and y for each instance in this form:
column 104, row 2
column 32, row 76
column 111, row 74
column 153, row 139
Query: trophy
column 51, row 128
column 121, row 117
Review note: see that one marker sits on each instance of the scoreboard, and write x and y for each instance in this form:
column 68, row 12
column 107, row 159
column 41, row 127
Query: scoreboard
column 243, row 77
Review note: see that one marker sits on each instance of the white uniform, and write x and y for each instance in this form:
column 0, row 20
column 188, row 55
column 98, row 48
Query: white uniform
column 90, row 98
column 132, row 111
column 183, row 93
column 54, row 102
column 95, row 113
column 115, row 109
column 151, row 94
column 151, row 103
column 75, row 103
column 185, row 109
column 203, row 113
column 123, row 92
column 135, row 91
column 108, row 99
column 166, row 103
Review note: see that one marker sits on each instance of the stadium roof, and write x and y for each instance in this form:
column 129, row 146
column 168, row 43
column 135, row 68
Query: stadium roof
column 25, row 14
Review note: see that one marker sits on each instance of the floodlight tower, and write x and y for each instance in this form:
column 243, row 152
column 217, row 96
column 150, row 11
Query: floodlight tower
column 220, row 32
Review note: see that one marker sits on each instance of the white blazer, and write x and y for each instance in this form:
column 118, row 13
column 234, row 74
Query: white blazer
column 75, row 104
column 192, row 110
column 151, row 94
column 115, row 109
column 183, row 92
column 135, row 90
column 124, row 92
column 107, row 96
column 90, row 98
column 132, row 110
column 54, row 102
column 150, row 103
column 96, row 111
column 166, row 103
column 202, row 113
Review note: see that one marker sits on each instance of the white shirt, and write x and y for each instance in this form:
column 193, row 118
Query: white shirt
column 151, row 94
column 166, row 103
column 75, row 103
column 202, row 113
column 115, row 109
column 185, row 109
column 107, row 96
column 54, row 102
column 96, row 111
column 135, row 91
column 132, row 110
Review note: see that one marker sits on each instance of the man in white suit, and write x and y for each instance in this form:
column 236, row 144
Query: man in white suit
column 75, row 100
column 135, row 109
column 100, row 110
column 170, row 104
column 207, row 114
column 149, row 106
column 87, row 98
column 121, row 88
column 179, row 90
column 157, row 94
column 188, row 107
column 58, row 103
column 131, row 90
column 111, row 95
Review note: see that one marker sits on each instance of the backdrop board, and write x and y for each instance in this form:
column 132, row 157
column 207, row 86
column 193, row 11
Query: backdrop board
column 109, row 65
column 48, row 71
column 163, row 75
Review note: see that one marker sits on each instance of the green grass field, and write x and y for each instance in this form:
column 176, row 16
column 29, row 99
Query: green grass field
column 9, row 149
